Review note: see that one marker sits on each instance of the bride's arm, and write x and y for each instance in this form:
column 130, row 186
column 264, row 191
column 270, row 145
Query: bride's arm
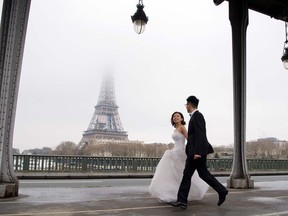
column 184, row 131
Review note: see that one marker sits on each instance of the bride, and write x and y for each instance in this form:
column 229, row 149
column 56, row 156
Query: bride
column 169, row 171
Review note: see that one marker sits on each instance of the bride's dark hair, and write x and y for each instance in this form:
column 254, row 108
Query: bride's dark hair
column 182, row 122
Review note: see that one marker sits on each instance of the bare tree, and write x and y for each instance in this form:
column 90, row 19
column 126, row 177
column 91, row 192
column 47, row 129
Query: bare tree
column 65, row 148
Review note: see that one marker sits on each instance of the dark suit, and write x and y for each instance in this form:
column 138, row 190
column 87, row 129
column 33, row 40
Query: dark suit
column 197, row 144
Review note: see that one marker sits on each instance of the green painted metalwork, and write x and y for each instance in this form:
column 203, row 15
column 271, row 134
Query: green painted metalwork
column 44, row 163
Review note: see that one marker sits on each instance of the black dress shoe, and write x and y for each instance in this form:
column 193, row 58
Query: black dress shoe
column 182, row 205
column 222, row 197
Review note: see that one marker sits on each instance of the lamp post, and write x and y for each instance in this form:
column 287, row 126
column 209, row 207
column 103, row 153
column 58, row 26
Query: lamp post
column 285, row 50
column 139, row 19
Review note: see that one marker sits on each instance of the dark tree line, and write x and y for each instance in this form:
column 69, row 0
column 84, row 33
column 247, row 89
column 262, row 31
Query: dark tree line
column 126, row 149
column 255, row 149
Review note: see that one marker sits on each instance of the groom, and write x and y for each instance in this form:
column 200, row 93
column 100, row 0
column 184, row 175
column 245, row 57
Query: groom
column 197, row 149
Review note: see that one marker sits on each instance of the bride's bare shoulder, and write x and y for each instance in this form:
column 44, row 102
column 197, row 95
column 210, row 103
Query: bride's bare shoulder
column 184, row 131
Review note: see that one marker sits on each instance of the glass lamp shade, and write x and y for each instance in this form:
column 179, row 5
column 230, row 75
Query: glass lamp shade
column 139, row 26
column 285, row 62
column 139, row 19
column 285, row 58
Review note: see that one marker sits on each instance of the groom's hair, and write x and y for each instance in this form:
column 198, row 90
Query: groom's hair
column 193, row 100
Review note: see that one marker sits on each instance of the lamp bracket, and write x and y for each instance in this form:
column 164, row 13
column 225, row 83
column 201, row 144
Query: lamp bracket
column 286, row 37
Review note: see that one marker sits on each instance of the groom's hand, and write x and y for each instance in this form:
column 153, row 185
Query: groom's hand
column 197, row 157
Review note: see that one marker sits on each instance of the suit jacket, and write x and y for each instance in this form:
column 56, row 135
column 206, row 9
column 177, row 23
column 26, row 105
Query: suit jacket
column 197, row 142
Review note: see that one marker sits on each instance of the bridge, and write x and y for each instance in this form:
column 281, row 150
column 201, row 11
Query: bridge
column 85, row 185
column 12, row 35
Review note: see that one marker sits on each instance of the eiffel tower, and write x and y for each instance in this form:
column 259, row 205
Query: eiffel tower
column 105, row 124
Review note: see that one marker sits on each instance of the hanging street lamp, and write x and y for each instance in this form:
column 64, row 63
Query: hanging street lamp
column 139, row 19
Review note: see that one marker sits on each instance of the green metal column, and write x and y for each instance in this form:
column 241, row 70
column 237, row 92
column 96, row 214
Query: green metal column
column 12, row 36
column 238, row 15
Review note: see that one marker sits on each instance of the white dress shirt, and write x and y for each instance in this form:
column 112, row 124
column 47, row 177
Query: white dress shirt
column 192, row 112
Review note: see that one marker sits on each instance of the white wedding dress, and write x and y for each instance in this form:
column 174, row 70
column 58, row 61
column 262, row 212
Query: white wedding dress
column 169, row 172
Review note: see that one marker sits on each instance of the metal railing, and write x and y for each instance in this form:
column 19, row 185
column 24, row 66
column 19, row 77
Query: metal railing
column 45, row 163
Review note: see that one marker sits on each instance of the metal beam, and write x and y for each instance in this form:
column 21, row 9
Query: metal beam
column 277, row 9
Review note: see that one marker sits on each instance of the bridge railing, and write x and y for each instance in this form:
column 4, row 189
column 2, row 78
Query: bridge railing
column 45, row 163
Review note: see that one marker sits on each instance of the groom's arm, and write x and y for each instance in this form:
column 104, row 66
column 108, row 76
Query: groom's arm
column 199, row 135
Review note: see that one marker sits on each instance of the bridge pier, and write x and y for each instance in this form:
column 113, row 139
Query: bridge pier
column 12, row 36
column 238, row 15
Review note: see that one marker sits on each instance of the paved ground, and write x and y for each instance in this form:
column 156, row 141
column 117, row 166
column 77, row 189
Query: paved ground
column 100, row 197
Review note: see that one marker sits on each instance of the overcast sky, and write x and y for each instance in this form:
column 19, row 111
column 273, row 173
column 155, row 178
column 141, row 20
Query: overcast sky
column 185, row 50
